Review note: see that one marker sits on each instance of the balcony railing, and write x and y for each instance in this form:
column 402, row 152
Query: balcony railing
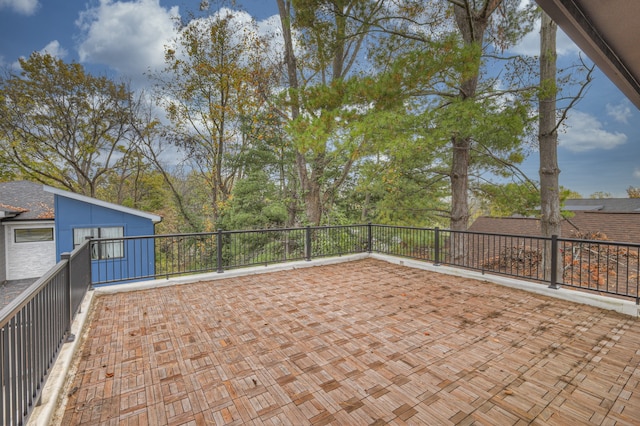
column 164, row 256
column 600, row 266
column 33, row 328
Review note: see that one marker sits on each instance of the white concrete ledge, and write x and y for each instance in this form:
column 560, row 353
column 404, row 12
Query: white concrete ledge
column 52, row 393
column 232, row 273
column 622, row 306
column 53, row 398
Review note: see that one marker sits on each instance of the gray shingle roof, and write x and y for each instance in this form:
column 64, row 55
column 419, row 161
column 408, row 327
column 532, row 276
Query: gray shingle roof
column 609, row 205
column 28, row 199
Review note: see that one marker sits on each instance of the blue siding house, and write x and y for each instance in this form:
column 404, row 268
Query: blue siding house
column 78, row 217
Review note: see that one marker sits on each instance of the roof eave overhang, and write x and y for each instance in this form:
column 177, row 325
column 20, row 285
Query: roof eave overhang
column 83, row 198
column 574, row 21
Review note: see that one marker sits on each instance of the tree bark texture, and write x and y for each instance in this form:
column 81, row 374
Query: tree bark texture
column 472, row 25
column 550, row 220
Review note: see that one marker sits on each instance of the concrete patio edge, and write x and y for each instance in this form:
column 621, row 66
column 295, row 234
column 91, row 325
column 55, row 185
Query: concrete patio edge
column 52, row 396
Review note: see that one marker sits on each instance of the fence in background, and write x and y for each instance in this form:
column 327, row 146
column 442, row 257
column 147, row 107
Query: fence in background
column 33, row 328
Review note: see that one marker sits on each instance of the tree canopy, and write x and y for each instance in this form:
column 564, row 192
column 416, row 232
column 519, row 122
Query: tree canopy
column 62, row 126
column 396, row 112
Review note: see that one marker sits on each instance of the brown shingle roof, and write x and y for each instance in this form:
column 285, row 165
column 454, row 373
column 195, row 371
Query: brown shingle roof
column 29, row 199
column 622, row 227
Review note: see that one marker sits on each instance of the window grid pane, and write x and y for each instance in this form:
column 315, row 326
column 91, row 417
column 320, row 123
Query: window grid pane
column 111, row 249
column 31, row 235
column 106, row 249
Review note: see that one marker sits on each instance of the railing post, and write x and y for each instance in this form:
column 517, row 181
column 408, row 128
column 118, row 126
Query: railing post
column 66, row 257
column 90, row 256
column 554, row 263
column 436, row 255
column 307, row 244
column 369, row 238
column 219, row 251
column 90, row 265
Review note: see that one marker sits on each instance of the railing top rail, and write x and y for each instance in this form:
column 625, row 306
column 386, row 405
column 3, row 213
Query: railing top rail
column 540, row 237
column 26, row 296
column 404, row 227
column 534, row 237
column 228, row 232
column 603, row 242
column 302, row 228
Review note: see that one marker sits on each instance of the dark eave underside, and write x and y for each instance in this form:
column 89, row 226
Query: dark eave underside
column 608, row 32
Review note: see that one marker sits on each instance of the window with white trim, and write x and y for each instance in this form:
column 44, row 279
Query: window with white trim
column 33, row 235
column 104, row 249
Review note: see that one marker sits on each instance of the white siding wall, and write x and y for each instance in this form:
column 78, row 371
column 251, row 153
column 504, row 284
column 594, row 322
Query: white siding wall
column 28, row 260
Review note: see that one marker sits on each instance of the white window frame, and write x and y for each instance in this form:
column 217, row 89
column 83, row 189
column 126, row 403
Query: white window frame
column 30, row 231
column 105, row 249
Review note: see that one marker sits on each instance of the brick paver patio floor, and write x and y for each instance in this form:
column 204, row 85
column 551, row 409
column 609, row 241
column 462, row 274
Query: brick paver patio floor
column 357, row 343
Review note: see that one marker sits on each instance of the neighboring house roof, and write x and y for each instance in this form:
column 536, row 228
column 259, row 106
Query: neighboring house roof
column 24, row 200
column 619, row 227
column 9, row 211
column 506, row 225
column 612, row 205
column 83, row 198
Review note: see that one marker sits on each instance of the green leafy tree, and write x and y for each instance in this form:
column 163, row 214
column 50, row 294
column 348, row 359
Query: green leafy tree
column 474, row 21
column 516, row 199
column 633, row 192
column 215, row 77
column 600, row 194
column 474, row 120
column 255, row 204
column 62, row 126
column 509, row 199
column 325, row 99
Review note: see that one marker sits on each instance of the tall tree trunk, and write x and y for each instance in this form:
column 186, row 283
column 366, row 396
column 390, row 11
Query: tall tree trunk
column 550, row 221
column 310, row 190
column 472, row 27
column 460, row 184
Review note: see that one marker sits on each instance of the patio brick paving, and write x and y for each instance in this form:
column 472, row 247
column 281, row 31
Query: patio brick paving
column 358, row 343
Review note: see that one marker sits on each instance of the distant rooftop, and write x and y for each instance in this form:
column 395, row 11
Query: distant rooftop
column 608, row 205
column 25, row 200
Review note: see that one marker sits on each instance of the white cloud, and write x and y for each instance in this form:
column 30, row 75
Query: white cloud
column 127, row 36
column 530, row 43
column 23, row 7
column 271, row 29
column 54, row 49
column 636, row 173
column 620, row 113
column 584, row 132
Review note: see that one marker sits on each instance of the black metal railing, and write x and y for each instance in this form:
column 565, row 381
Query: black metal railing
column 599, row 266
column 33, row 328
column 163, row 256
column 602, row 266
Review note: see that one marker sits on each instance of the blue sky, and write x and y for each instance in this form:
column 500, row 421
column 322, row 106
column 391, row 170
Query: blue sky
column 599, row 147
